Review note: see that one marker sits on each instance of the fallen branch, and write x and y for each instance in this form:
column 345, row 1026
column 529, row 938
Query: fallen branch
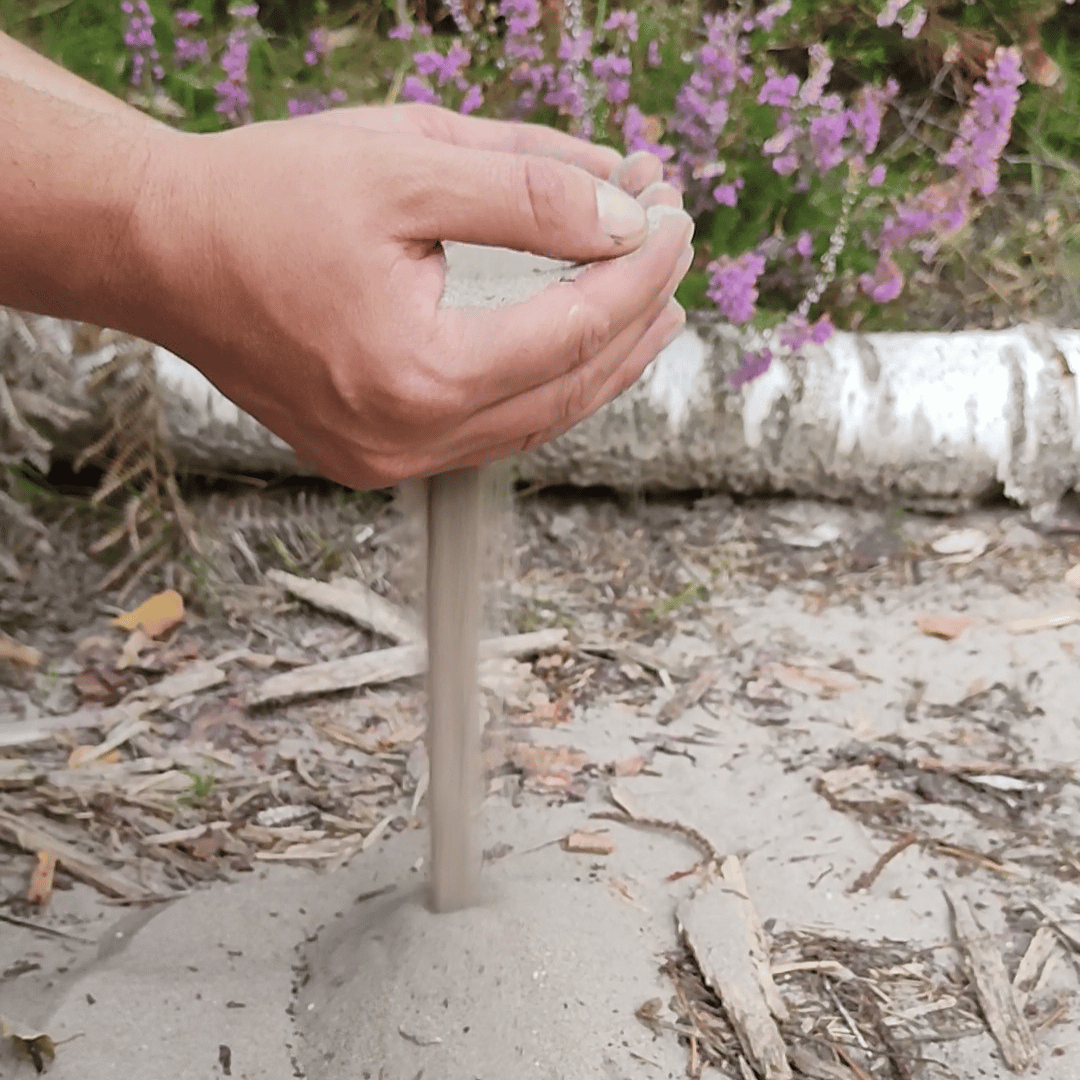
column 722, row 930
column 996, row 994
column 354, row 600
column 384, row 666
column 33, row 839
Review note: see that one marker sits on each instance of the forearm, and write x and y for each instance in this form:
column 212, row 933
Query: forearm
column 73, row 173
column 22, row 65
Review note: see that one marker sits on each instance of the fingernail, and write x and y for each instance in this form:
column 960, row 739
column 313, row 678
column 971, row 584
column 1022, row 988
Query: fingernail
column 621, row 216
column 661, row 189
column 660, row 216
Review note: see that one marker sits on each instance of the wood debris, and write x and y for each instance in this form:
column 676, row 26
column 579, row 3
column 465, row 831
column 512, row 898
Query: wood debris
column 998, row 999
column 946, row 627
column 689, row 694
column 351, row 598
column 722, row 930
column 41, row 879
column 35, row 838
column 1051, row 621
column 16, row 653
column 384, row 666
column 581, row 842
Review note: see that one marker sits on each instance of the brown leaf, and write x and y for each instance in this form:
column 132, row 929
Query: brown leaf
column 818, row 682
column 946, row 627
column 588, row 843
column 41, row 879
column 208, row 846
column 156, row 616
column 81, row 755
column 546, row 760
column 19, row 654
column 99, row 686
column 629, row 766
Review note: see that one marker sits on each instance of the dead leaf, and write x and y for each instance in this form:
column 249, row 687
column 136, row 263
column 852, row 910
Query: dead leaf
column 944, row 626
column 41, row 879
column 815, row 681
column 1050, row 621
column 208, row 846
column 588, row 843
column 1072, row 577
column 157, row 615
column 34, row 1047
column 99, row 686
column 961, row 545
column 137, row 641
column 85, row 755
column 546, row 760
column 629, row 766
column 19, row 654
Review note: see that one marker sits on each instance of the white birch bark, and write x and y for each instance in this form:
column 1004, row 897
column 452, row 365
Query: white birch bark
column 935, row 419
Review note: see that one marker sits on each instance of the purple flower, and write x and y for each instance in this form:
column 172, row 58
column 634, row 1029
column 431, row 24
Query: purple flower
column 778, row 90
column 318, row 47
column 626, row 21
column 636, row 136
column 821, row 67
column 652, row 54
column 986, row 126
column 804, row 245
column 797, row 332
column 613, row 73
column 876, row 177
column 917, row 20
column 415, row 89
column 890, row 12
column 472, row 100
column 191, row 50
column 766, row 18
column 139, row 38
column 728, row 194
column 319, row 103
column 733, row 285
column 868, row 113
column 826, row 138
column 885, row 283
column 754, row 365
column 234, row 100
column 187, row 18
column 401, row 32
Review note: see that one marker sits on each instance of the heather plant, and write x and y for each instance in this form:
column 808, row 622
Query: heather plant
column 820, row 183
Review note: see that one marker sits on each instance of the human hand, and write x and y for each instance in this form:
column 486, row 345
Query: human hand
column 298, row 265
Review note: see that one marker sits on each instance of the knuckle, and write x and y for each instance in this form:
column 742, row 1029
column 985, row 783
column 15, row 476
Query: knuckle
column 547, row 192
column 593, row 332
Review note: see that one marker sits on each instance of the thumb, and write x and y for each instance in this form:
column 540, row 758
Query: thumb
column 521, row 201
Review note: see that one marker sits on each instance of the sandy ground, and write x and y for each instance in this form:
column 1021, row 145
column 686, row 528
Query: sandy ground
column 824, row 730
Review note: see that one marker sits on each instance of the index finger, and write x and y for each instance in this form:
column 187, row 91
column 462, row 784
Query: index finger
column 510, row 136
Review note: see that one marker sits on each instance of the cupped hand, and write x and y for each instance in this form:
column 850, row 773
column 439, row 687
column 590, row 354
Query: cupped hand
column 299, row 267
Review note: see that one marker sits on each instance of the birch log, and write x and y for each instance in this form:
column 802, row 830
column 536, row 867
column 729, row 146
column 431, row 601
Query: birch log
column 934, row 419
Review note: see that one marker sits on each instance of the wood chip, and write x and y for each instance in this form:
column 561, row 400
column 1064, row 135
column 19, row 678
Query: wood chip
column 689, row 694
column 33, row 839
column 588, row 843
column 200, row 675
column 999, row 1002
column 351, row 598
column 722, row 930
column 824, row 682
column 1051, row 621
column 946, row 627
column 41, row 879
column 384, row 666
column 44, row 728
column 1043, row 942
column 16, row 653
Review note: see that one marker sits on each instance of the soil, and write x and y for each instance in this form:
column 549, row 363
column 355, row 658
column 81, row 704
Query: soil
column 755, row 679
